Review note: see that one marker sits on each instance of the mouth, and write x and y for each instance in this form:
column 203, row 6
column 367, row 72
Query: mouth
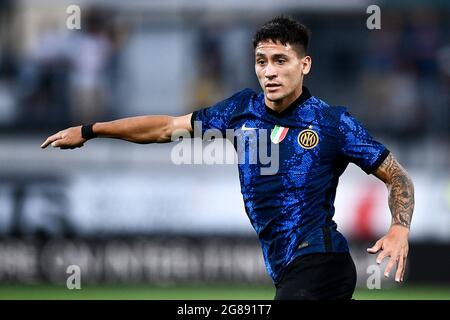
column 272, row 86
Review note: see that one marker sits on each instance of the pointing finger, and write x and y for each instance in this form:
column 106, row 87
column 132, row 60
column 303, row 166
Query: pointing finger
column 50, row 140
column 46, row 143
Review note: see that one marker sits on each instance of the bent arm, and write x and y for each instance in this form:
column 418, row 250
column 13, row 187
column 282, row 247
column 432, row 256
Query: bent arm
column 142, row 129
column 400, row 188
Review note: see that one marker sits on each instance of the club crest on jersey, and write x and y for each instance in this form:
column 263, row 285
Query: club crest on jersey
column 308, row 138
column 278, row 134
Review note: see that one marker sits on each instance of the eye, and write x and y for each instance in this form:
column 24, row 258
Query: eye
column 260, row 62
column 281, row 61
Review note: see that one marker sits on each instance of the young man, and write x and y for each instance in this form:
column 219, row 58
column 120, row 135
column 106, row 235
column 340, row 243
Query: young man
column 291, row 210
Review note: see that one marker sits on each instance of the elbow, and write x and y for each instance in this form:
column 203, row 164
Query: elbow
column 408, row 180
column 152, row 129
column 166, row 130
column 400, row 180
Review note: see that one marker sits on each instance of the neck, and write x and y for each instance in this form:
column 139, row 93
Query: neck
column 282, row 104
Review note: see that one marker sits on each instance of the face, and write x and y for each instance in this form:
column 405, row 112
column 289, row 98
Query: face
column 280, row 72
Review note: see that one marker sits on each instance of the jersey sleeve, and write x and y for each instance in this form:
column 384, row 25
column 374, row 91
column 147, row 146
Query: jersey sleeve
column 358, row 146
column 219, row 115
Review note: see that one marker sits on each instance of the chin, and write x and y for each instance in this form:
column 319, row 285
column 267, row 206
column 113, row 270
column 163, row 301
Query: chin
column 274, row 96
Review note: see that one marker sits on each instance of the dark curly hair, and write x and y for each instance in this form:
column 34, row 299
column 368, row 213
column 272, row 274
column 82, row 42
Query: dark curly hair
column 286, row 31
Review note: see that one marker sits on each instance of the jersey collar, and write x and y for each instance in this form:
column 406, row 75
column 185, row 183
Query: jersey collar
column 299, row 101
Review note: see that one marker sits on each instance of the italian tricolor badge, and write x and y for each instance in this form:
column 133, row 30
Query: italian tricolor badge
column 278, row 134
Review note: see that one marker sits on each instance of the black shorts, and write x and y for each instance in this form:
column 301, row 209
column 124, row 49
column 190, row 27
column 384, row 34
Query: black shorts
column 318, row 276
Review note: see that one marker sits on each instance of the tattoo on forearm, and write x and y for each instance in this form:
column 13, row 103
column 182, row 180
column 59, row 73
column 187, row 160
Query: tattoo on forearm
column 401, row 191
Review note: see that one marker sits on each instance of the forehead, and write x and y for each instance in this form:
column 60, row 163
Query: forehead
column 268, row 48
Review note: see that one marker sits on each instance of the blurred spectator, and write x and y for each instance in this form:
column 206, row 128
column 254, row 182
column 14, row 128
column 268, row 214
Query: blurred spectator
column 64, row 77
column 72, row 77
column 208, row 86
column 401, row 80
column 443, row 61
column 421, row 40
column 43, row 80
column 8, row 68
column 89, row 52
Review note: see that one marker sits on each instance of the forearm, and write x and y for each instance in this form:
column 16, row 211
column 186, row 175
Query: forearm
column 401, row 190
column 401, row 199
column 142, row 129
column 401, row 202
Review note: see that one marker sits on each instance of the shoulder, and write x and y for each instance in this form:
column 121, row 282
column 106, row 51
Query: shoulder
column 226, row 108
column 239, row 99
column 242, row 94
column 333, row 114
column 245, row 94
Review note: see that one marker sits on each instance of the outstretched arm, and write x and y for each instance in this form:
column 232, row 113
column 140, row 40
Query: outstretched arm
column 401, row 203
column 143, row 129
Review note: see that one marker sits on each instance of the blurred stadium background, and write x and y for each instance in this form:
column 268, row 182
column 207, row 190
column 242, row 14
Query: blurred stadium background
column 141, row 227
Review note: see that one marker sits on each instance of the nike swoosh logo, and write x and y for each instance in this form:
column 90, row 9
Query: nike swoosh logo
column 245, row 128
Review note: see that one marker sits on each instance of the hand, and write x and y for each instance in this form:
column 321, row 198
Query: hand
column 394, row 245
column 66, row 139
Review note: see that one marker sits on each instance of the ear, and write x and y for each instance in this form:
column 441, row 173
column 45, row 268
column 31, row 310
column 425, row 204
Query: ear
column 306, row 62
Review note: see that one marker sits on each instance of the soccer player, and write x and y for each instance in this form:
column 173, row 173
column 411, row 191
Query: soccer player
column 291, row 210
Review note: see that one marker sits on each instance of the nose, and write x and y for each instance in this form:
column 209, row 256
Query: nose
column 270, row 71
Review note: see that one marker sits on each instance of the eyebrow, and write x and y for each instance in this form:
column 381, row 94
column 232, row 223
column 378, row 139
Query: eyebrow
column 275, row 56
